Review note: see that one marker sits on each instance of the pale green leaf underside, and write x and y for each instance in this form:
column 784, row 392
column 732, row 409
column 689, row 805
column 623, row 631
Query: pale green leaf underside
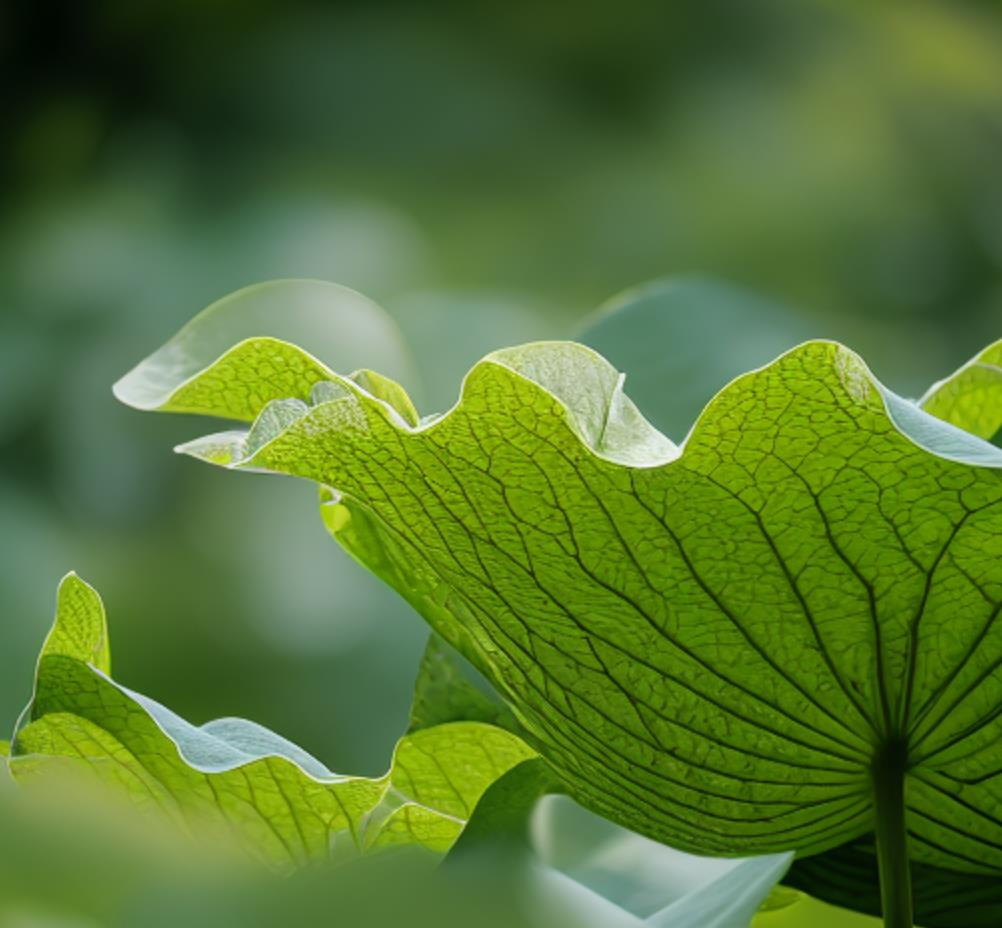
column 971, row 398
column 233, row 773
column 709, row 643
column 239, row 353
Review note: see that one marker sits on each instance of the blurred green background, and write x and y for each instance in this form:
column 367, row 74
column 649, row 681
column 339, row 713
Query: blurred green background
column 490, row 175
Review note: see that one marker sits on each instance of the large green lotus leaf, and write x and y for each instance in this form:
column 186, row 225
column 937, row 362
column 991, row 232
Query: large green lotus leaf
column 239, row 353
column 712, row 645
column 281, row 801
column 971, row 398
column 662, row 334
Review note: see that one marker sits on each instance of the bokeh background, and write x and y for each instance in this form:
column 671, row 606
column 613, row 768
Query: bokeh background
column 490, row 175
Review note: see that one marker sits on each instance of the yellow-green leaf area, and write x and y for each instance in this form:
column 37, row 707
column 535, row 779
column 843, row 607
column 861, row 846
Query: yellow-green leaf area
column 971, row 398
column 711, row 644
column 80, row 630
column 231, row 775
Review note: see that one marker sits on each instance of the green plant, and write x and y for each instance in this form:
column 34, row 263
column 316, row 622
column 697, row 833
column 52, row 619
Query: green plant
column 287, row 810
column 778, row 636
column 281, row 802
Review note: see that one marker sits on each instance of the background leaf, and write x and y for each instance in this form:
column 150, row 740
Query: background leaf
column 971, row 398
column 69, row 856
column 682, row 339
column 231, row 773
column 640, row 883
column 241, row 348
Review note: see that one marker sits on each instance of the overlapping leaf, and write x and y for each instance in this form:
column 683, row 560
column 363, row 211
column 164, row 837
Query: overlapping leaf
column 679, row 340
column 971, row 398
column 710, row 644
column 239, row 353
column 281, row 802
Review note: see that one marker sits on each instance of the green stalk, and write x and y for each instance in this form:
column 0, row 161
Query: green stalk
column 889, row 766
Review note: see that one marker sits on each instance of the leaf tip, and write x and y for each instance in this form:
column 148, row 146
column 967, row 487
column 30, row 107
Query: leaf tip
column 72, row 582
column 224, row 449
column 80, row 627
column 136, row 390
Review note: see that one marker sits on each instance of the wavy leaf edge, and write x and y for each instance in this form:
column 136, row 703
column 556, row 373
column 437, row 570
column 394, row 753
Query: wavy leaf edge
column 634, row 442
column 76, row 637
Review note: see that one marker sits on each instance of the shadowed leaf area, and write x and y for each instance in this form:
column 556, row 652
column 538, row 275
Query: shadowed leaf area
column 847, row 876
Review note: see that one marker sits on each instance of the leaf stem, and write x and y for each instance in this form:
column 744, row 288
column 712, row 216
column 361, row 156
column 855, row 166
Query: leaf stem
column 888, row 772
